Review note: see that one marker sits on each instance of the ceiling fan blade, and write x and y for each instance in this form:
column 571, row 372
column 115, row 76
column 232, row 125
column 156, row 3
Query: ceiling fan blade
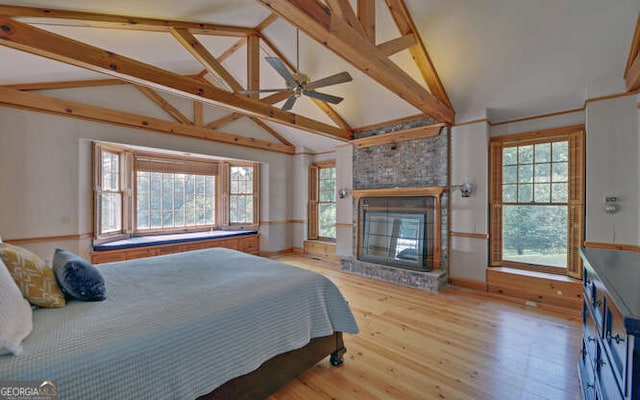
column 288, row 105
column 262, row 91
column 323, row 96
column 282, row 69
column 330, row 80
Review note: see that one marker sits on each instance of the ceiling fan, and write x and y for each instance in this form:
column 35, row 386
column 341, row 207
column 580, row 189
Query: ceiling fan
column 300, row 84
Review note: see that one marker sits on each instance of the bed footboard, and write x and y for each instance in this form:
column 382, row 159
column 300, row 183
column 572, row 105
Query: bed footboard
column 280, row 370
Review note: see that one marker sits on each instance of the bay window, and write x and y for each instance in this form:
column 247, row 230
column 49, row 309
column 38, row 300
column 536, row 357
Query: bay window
column 140, row 193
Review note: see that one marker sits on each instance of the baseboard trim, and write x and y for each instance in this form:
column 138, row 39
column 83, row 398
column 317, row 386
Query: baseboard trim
column 269, row 254
column 468, row 283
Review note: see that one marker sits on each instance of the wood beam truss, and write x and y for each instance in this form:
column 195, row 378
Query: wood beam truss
column 51, row 105
column 100, row 20
column 405, row 24
column 632, row 70
column 33, row 40
column 330, row 25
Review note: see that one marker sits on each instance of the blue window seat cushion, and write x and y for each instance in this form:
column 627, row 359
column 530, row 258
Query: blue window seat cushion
column 142, row 241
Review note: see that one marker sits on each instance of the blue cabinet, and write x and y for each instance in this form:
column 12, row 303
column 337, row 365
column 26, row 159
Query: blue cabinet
column 609, row 364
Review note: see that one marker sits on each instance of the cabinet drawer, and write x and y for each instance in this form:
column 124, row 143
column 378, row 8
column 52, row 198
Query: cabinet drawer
column 616, row 341
column 590, row 333
column 597, row 304
column 587, row 377
column 589, row 285
column 606, row 377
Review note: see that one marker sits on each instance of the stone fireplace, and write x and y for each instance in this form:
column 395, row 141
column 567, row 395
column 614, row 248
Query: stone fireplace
column 400, row 212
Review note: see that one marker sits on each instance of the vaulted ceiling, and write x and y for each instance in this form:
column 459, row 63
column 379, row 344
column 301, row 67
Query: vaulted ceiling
column 495, row 59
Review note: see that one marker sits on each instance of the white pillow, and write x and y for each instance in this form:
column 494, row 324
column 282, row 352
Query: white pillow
column 16, row 317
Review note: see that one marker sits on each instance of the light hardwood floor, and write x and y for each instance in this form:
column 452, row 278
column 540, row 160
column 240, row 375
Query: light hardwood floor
column 456, row 344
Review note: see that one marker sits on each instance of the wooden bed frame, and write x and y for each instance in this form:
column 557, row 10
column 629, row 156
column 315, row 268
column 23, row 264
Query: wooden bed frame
column 276, row 372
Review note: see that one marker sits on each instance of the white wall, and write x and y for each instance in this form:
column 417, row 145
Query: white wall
column 301, row 164
column 344, row 207
column 469, row 164
column 612, row 170
column 45, row 173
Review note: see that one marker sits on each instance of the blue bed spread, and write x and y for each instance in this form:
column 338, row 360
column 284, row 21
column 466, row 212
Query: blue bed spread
column 178, row 326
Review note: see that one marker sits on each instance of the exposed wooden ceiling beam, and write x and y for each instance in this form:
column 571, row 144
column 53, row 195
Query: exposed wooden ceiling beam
column 99, row 20
column 271, row 131
column 632, row 70
column 367, row 17
column 33, row 40
column 634, row 50
column 231, row 50
column 65, row 84
column 343, row 9
column 632, row 79
column 405, row 24
column 253, row 64
column 332, row 114
column 317, row 20
column 198, row 113
column 73, row 84
column 51, row 105
column 204, row 57
column 227, row 119
column 271, row 18
column 396, row 45
column 164, row 104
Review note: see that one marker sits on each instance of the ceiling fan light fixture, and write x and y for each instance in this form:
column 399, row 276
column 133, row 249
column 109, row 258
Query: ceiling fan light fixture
column 300, row 84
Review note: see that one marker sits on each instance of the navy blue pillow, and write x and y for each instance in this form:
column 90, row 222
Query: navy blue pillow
column 77, row 277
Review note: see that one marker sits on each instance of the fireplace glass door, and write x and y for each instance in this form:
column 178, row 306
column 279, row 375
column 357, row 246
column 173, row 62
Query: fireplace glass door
column 394, row 238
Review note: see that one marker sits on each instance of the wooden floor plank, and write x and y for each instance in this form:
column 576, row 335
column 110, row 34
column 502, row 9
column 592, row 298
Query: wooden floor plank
column 456, row 344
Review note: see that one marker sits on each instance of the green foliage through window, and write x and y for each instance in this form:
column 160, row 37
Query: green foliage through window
column 327, row 202
column 535, row 181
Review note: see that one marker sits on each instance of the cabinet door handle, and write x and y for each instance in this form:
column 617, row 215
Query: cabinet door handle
column 588, row 281
column 597, row 302
column 590, row 339
column 601, row 363
column 617, row 338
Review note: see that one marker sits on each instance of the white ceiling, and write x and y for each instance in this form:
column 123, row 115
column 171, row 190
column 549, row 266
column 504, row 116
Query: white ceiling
column 499, row 59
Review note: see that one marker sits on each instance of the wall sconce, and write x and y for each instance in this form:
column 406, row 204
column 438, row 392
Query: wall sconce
column 342, row 193
column 611, row 205
column 465, row 189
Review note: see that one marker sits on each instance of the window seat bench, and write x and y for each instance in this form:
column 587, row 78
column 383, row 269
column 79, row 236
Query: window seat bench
column 148, row 246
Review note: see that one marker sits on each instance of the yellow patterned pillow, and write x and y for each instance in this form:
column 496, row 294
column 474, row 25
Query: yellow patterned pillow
column 34, row 277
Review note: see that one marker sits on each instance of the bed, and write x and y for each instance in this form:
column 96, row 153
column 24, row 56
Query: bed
column 213, row 323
